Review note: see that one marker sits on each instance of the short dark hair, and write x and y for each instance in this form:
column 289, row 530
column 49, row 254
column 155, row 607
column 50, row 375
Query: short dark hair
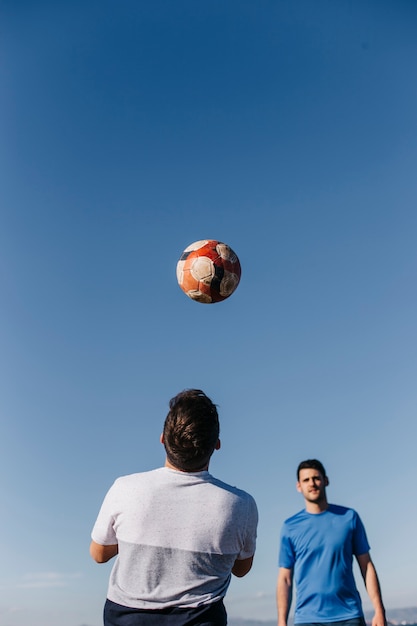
column 311, row 464
column 191, row 430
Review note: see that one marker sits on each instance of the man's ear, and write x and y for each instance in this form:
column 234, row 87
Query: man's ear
column 218, row 445
column 161, row 438
column 326, row 481
column 298, row 486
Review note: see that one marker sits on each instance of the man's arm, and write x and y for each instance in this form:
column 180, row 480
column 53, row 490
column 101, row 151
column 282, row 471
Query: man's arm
column 373, row 588
column 242, row 566
column 102, row 554
column 284, row 594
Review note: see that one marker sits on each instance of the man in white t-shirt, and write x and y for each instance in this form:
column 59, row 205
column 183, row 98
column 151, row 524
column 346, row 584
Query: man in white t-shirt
column 178, row 532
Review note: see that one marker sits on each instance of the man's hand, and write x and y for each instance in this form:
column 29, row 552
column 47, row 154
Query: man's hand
column 379, row 619
column 242, row 566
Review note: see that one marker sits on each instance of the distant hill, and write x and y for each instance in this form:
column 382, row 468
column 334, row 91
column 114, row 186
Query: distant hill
column 236, row 621
column 396, row 617
column 400, row 616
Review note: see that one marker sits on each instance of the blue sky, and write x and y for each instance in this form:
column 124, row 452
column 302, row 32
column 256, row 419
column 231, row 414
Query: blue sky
column 130, row 129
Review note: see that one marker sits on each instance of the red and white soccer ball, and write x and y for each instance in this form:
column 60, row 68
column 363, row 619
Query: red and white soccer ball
column 208, row 271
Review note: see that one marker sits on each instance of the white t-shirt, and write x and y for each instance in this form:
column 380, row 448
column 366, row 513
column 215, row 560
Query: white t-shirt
column 179, row 535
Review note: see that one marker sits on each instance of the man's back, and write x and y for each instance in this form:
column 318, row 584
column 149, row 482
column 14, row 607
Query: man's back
column 178, row 534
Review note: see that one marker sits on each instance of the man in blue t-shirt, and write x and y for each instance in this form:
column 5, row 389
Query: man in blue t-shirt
column 316, row 552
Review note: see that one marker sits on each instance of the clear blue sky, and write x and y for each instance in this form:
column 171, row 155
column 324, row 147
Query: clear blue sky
column 130, row 129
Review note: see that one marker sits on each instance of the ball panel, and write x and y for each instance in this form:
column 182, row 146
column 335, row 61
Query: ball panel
column 199, row 296
column 196, row 245
column 229, row 283
column 188, row 283
column 226, row 253
column 180, row 271
column 202, row 268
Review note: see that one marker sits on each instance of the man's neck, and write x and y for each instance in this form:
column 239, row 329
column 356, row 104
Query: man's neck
column 178, row 469
column 316, row 507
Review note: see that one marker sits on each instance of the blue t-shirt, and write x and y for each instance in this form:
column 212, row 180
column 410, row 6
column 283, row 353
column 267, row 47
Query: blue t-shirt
column 320, row 547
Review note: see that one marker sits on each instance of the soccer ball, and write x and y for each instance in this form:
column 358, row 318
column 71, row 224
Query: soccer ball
column 208, row 271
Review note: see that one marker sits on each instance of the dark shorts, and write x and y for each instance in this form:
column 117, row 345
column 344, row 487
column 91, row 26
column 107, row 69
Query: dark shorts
column 207, row 615
column 355, row 621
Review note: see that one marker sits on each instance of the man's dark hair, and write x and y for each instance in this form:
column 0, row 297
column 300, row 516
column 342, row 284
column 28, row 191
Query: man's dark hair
column 311, row 464
column 191, row 430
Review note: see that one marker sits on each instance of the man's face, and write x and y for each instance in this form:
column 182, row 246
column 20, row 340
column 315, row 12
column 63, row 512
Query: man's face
column 312, row 484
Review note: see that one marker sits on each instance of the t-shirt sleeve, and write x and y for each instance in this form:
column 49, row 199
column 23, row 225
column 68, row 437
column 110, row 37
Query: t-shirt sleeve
column 249, row 544
column 103, row 531
column 286, row 552
column 360, row 540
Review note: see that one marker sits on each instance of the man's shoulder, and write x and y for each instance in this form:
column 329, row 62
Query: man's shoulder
column 295, row 519
column 230, row 489
column 337, row 509
column 138, row 477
